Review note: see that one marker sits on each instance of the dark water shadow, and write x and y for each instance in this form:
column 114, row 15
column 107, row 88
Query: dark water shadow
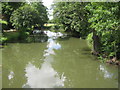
column 63, row 38
column 32, row 39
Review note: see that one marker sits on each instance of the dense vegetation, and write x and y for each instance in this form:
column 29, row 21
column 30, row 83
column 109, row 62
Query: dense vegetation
column 73, row 17
column 23, row 17
column 97, row 22
column 7, row 9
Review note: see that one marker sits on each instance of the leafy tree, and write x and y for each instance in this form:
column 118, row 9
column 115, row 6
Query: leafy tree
column 72, row 16
column 7, row 9
column 104, row 21
column 42, row 11
column 29, row 16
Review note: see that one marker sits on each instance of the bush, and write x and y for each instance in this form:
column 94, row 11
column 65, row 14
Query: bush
column 3, row 40
column 24, row 17
column 90, row 40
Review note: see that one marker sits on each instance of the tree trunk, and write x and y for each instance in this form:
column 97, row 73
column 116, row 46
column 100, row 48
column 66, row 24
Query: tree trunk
column 96, row 43
column 118, row 51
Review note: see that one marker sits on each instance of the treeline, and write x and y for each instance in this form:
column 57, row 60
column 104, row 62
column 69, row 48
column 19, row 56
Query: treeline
column 23, row 17
column 99, row 23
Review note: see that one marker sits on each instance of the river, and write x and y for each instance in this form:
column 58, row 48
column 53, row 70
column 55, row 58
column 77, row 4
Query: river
column 57, row 63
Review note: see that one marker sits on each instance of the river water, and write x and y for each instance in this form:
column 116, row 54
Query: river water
column 57, row 63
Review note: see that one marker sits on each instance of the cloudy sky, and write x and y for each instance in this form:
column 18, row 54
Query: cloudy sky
column 48, row 4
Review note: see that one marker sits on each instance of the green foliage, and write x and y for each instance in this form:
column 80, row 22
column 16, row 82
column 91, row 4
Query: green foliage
column 105, row 21
column 42, row 12
column 3, row 39
column 72, row 16
column 55, row 27
column 7, row 9
column 29, row 16
column 3, row 22
column 23, row 17
column 90, row 40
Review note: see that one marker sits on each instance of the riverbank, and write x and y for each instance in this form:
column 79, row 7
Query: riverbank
column 112, row 61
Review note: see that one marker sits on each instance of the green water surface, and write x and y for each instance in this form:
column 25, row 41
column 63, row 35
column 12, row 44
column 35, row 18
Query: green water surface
column 55, row 63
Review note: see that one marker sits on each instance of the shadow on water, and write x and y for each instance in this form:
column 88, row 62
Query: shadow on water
column 86, row 49
column 63, row 38
column 37, row 39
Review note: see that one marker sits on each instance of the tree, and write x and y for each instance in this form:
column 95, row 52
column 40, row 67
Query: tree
column 104, row 21
column 7, row 9
column 29, row 16
column 72, row 16
column 42, row 11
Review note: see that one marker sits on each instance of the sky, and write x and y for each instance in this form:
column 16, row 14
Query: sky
column 48, row 4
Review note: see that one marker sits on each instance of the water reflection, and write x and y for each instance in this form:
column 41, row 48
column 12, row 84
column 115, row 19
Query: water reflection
column 11, row 75
column 46, row 76
column 51, row 46
column 105, row 72
column 53, row 34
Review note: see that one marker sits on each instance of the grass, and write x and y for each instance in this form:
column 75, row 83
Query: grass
column 49, row 24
